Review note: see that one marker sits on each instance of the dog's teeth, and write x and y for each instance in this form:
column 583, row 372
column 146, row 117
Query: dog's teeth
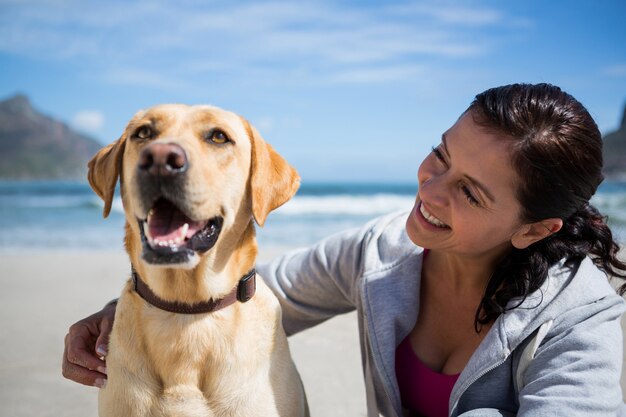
column 185, row 230
column 146, row 231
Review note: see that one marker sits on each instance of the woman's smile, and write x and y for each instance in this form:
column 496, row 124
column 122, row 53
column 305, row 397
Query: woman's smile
column 429, row 218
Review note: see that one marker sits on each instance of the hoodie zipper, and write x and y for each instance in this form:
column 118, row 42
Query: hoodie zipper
column 476, row 378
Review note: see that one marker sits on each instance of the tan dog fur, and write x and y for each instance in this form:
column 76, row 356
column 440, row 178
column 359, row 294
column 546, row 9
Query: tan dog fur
column 232, row 362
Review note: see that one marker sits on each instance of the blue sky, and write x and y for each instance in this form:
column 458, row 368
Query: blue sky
column 346, row 91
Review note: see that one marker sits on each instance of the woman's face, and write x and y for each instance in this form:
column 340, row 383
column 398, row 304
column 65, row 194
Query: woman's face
column 466, row 202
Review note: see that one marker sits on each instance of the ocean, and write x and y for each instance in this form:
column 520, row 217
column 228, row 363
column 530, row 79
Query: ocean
column 62, row 216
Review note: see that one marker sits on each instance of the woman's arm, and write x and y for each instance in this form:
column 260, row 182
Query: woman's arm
column 317, row 283
column 311, row 285
column 576, row 372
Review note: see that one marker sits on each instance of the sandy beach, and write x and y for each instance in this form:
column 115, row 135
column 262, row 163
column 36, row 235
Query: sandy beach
column 44, row 293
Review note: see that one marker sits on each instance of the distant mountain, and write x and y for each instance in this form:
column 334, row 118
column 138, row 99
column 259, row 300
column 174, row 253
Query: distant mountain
column 615, row 151
column 35, row 146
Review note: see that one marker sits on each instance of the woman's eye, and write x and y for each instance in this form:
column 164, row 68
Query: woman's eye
column 468, row 194
column 438, row 154
column 218, row 137
column 470, row 197
column 144, row 132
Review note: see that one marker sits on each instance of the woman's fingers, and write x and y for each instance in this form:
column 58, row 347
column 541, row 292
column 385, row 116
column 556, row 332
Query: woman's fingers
column 81, row 363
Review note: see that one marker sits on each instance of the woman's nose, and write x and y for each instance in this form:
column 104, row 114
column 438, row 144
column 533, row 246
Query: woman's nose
column 435, row 190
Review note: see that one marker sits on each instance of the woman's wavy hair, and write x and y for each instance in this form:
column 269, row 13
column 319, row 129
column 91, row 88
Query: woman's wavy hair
column 557, row 151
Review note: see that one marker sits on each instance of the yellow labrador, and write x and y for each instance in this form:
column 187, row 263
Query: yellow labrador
column 191, row 336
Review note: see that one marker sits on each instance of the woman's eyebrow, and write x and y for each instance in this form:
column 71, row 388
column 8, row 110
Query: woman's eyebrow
column 474, row 181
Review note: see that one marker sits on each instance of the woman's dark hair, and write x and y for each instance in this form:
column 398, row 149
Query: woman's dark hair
column 557, row 150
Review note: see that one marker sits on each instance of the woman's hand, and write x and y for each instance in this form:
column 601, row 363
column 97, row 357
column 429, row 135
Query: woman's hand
column 86, row 346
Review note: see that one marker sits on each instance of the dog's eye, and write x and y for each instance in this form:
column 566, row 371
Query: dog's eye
column 218, row 137
column 144, row 132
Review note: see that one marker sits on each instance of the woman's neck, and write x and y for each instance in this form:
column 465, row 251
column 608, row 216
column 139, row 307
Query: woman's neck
column 463, row 274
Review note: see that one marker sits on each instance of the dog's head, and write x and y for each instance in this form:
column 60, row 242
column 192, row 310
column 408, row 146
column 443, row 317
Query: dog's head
column 189, row 175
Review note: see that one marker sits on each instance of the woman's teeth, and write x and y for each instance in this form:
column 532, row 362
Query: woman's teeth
column 430, row 218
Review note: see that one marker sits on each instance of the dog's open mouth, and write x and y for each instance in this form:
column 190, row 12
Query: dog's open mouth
column 169, row 236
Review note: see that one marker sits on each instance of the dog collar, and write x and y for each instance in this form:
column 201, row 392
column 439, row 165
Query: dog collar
column 243, row 292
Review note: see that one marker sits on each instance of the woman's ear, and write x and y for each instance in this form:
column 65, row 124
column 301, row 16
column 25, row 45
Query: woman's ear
column 534, row 232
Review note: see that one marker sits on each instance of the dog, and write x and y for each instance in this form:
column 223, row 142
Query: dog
column 192, row 335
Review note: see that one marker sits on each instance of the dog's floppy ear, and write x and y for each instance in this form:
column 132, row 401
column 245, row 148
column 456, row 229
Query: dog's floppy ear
column 104, row 170
column 272, row 180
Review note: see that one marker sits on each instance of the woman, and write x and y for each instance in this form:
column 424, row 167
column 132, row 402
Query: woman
column 508, row 311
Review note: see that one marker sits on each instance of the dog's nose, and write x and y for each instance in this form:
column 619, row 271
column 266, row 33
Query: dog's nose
column 163, row 159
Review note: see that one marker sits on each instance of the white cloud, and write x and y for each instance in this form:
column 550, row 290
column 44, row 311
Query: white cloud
column 618, row 70
column 455, row 15
column 142, row 78
column 264, row 124
column 88, row 121
column 378, row 75
column 324, row 40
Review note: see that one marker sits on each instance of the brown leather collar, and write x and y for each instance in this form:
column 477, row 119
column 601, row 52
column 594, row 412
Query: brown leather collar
column 243, row 292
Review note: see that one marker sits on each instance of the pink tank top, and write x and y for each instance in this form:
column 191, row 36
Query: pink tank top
column 422, row 390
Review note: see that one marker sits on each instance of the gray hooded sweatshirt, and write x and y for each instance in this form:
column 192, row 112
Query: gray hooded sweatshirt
column 557, row 354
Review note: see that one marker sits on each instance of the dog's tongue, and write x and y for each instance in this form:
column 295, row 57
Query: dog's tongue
column 168, row 225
